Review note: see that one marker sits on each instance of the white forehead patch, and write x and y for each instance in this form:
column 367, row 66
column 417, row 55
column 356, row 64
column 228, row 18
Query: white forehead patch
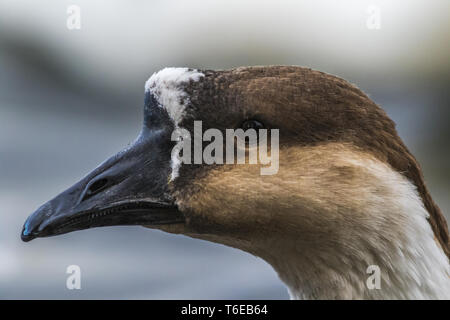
column 166, row 85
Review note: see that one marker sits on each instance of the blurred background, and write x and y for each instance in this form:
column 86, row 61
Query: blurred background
column 70, row 98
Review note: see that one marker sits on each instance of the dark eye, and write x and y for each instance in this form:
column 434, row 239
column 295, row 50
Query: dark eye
column 251, row 124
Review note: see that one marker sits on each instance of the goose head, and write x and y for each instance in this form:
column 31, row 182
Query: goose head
column 345, row 193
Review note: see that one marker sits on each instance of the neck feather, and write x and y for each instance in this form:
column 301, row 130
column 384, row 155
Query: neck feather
column 399, row 249
column 354, row 218
column 330, row 213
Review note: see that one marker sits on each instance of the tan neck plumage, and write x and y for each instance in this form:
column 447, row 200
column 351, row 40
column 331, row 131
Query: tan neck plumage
column 328, row 215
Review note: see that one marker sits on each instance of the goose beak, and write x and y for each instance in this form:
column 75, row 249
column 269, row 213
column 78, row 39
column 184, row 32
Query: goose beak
column 130, row 188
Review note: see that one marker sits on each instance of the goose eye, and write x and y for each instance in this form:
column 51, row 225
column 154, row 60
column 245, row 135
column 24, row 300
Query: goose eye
column 252, row 124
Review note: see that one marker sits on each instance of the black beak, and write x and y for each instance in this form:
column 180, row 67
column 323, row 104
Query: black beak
column 130, row 188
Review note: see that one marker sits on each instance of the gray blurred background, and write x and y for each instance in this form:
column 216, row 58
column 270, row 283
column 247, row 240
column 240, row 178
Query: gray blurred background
column 71, row 98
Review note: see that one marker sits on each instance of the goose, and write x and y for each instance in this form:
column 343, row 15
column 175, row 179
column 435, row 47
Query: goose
column 347, row 196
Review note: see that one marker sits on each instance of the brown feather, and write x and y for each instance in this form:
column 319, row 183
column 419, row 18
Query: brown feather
column 310, row 108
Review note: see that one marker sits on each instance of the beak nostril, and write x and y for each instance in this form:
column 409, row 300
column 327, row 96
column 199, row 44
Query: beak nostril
column 95, row 188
